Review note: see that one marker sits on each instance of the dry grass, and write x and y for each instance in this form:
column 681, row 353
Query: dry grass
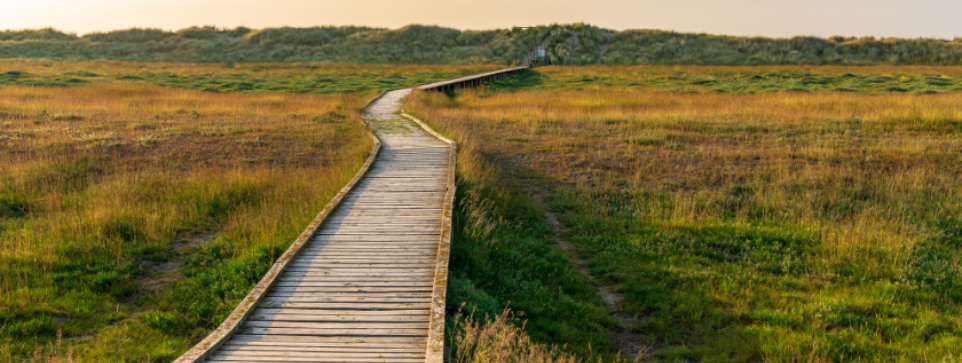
column 770, row 227
column 799, row 153
column 499, row 341
column 104, row 190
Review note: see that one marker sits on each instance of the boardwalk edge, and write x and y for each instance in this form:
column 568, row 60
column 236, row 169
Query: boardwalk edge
column 435, row 348
column 230, row 325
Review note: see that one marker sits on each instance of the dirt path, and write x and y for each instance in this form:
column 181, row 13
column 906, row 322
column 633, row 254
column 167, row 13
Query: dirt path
column 632, row 345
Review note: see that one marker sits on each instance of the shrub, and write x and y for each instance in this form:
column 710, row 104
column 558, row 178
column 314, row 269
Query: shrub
column 163, row 321
column 42, row 325
column 134, row 35
column 36, row 34
column 203, row 33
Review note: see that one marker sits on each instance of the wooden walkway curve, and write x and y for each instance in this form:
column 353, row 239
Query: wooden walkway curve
column 361, row 289
column 367, row 280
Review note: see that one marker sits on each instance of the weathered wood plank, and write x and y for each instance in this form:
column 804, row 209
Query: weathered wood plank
column 346, row 312
column 334, row 332
column 303, row 305
column 243, row 338
column 247, row 347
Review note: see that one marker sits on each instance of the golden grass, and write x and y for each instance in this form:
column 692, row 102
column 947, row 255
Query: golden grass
column 767, row 227
column 103, row 187
column 645, row 71
column 800, row 152
column 499, row 341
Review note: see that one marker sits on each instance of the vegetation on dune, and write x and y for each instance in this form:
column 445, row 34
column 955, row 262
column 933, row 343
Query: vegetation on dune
column 411, row 44
column 134, row 217
column 779, row 226
column 664, row 47
column 230, row 77
column 574, row 44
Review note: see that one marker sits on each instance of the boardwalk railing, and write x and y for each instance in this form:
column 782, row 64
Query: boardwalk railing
column 471, row 81
column 538, row 48
column 329, row 296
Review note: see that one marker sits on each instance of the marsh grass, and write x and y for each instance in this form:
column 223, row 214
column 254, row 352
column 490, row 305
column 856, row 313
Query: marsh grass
column 744, row 80
column 779, row 226
column 321, row 78
column 133, row 217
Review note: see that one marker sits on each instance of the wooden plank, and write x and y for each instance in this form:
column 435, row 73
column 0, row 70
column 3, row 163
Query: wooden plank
column 243, row 347
column 339, row 325
column 356, row 275
column 346, row 312
column 289, row 356
column 304, row 305
column 320, row 345
column 236, row 353
column 382, row 263
column 374, row 253
column 428, row 228
column 322, row 318
column 399, row 289
column 358, row 270
column 333, row 332
column 244, row 338
column 317, row 238
column 316, row 360
column 353, row 277
column 384, row 220
column 373, row 266
column 406, row 283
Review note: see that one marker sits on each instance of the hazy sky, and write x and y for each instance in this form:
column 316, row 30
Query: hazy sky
column 778, row 18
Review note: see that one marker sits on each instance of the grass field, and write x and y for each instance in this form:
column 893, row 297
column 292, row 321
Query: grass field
column 133, row 216
column 758, row 79
column 753, row 217
column 322, row 78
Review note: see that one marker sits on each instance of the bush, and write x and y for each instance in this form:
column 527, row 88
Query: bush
column 49, row 34
column 202, row 33
column 43, row 325
column 134, row 35
column 163, row 321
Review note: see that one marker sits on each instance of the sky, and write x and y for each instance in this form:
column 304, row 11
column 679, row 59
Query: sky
column 773, row 18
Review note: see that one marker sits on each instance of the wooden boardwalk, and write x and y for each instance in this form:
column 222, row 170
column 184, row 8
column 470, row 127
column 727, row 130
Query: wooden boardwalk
column 360, row 289
column 367, row 280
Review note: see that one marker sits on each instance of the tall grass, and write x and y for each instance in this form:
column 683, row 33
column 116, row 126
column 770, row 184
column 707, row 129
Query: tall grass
column 133, row 217
column 499, row 341
column 744, row 79
column 505, row 256
column 777, row 226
